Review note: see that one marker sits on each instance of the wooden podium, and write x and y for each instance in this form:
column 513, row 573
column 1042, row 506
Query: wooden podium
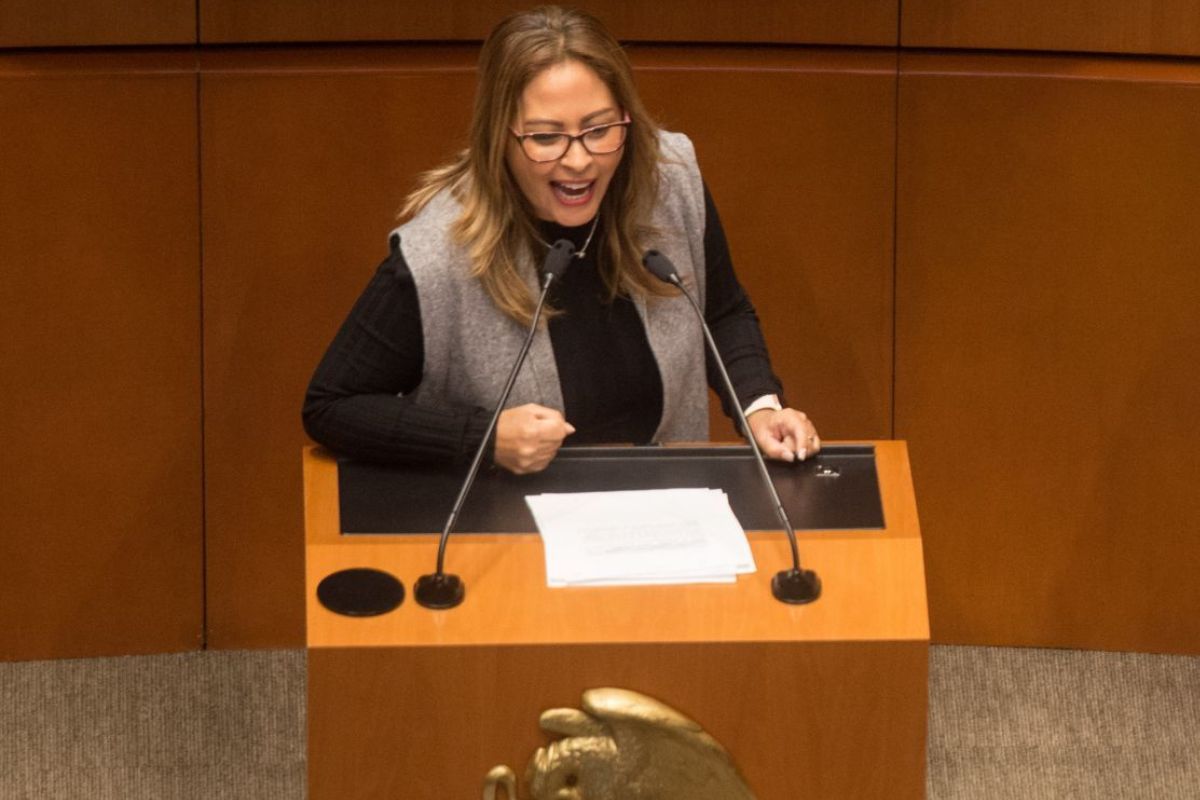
column 826, row 700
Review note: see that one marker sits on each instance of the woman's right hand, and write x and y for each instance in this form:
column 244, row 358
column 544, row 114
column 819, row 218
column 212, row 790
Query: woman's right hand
column 528, row 437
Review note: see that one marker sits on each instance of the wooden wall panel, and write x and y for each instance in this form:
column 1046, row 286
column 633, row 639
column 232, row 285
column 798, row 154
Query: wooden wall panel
column 1046, row 335
column 69, row 23
column 798, row 149
column 304, row 168
column 858, row 22
column 854, row 713
column 304, row 165
column 1163, row 27
column 100, row 500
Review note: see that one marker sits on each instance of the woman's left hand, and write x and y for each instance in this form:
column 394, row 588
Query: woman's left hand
column 785, row 435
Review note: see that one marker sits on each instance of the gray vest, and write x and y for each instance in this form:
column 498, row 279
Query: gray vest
column 470, row 345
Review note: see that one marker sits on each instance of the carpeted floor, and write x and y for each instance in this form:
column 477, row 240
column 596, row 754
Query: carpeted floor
column 1006, row 723
column 211, row 725
column 1003, row 723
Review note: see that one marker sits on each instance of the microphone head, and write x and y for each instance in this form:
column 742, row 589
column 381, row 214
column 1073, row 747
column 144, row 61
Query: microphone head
column 660, row 266
column 557, row 259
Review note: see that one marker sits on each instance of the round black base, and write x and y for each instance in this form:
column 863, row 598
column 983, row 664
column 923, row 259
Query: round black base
column 360, row 592
column 439, row 590
column 796, row 586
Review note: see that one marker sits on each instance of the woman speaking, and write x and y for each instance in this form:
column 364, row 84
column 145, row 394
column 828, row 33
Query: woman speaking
column 560, row 147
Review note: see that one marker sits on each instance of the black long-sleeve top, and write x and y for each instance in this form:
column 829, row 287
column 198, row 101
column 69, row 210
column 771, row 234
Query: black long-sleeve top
column 612, row 392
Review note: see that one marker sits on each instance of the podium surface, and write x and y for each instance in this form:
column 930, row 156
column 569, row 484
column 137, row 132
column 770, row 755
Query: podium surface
column 824, row 700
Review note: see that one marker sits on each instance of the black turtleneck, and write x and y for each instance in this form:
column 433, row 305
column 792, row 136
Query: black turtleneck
column 611, row 388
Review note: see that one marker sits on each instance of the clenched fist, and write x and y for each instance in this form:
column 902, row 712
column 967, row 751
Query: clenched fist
column 528, row 437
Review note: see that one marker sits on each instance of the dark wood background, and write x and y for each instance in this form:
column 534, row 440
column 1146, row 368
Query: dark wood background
column 970, row 227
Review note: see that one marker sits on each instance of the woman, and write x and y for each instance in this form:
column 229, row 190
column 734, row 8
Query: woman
column 560, row 147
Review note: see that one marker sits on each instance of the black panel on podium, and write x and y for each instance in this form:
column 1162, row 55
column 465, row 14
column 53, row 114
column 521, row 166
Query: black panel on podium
column 836, row 490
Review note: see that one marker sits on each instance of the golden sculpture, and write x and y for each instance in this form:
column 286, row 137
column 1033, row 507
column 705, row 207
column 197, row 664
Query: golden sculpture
column 623, row 746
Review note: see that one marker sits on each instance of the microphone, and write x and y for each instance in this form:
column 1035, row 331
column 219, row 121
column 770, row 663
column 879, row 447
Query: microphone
column 796, row 586
column 439, row 589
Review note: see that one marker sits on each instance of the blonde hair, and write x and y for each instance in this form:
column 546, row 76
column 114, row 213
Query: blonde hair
column 497, row 225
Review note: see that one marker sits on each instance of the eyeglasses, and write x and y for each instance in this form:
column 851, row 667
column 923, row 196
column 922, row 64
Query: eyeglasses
column 598, row 140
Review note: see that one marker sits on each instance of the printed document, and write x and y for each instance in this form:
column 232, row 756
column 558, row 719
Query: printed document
column 640, row 537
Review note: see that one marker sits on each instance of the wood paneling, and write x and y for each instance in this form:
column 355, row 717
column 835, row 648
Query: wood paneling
column 100, row 501
column 1046, row 331
column 69, row 23
column 1045, row 223
column 819, row 720
column 304, row 169
column 858, row 22
column 1164, row 27
column 798, row 150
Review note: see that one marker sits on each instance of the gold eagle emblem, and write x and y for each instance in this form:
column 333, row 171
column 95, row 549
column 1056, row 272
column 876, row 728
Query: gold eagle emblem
column 623, row 746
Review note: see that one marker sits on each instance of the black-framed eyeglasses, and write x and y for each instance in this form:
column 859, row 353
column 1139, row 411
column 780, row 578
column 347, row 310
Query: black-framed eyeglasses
column 599, row 140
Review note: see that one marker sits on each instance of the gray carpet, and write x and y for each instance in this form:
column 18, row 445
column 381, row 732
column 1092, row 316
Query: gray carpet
column 1003, row 724
column 209, row 725
column 1007, row 723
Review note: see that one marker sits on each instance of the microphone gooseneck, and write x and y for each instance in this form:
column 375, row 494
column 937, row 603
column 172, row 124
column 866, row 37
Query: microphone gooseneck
column 796, row 586
column 438, row 589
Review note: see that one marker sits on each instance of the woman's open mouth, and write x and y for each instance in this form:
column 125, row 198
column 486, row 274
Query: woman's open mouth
column 575, row 193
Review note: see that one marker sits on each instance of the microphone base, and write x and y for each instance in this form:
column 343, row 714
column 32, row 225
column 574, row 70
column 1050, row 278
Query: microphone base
column 795, row 586
column 439, row 590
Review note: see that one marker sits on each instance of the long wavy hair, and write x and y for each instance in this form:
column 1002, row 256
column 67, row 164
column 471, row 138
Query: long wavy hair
column 497, row 225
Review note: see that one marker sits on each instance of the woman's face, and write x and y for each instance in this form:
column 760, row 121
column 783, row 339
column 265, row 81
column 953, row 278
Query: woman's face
column 566, row 98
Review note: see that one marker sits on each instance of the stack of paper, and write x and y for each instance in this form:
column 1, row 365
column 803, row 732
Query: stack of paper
column 640, row 537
